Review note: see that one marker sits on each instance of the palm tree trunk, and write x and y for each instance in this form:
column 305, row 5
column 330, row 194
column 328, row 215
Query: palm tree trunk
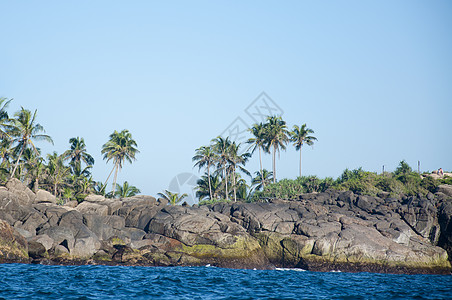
column 274, row 164
column 300, row 162
column 114, row 180
column 262, row 172
column 226, row 180
column 210, row 185
column 55, row 188
column 105, row 184
column 36, row 187
column 235, row 188
column 17, row 162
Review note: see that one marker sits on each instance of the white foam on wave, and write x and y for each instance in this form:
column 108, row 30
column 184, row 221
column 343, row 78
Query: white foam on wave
column 291, row 269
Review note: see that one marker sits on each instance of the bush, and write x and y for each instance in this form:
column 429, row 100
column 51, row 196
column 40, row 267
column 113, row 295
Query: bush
column 213, row 201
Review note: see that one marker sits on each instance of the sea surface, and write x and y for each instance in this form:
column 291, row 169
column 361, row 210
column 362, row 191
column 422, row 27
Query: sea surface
column 21, row 281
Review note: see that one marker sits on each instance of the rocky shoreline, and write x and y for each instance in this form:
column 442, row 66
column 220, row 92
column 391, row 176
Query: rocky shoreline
column 320, row 232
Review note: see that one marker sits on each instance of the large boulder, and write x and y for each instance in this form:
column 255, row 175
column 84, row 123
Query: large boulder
column 23, row 193
column 445, row 189
column 104, row 227
column 87, row 207
column 13, row 247
column 45, row 197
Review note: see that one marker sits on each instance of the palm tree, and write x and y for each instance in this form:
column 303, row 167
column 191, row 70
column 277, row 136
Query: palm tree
column 300, row 136
column 261, row 179
column 99, row 188
column 258, row 141
column 121, row 147
column 275, row 137
column 25, row 130
column 6, row 152
column 4, row 118
column 209, row 187
column 221, row 147
column 173, row 198
column 205, row 157
column 243, row 190
column 57, row 170
column 34, row 167
column 126, row 190
column 237, row 160
column 77, row 153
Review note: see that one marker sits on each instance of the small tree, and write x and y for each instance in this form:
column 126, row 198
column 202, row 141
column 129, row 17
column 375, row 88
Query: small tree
column 173, row 198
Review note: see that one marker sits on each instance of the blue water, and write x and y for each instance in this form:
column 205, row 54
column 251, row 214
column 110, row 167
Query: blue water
column 20, row 281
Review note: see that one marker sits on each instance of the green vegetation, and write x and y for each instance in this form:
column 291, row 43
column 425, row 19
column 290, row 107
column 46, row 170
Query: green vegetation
column 173, row 198
column 403, row 181
column 67, row 176
column 228, row 161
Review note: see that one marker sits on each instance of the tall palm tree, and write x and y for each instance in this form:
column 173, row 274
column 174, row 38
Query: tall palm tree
column 261, row 179
column 205, row 157
column 257, row 141
column 77, row 153
column 300, row 136
column 237, row 160
column 120, row 148
column 276, row 138
column 126, row 190
column 25, row 129
column 221, row 146
column 4, row 118
column 173, row 198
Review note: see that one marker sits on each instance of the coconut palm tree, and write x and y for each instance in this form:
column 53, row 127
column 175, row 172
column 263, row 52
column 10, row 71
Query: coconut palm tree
column 126, row 190
column 33, row 168
column 57, row 171
column 235, row 161
column 276, row 138
column 261, row 179
column 300, row 136
column 221, row 146
column 25, row 129
column 77, row 153
column 120, row 148
column 173, row 198
column 4, row 118
column 208, row 187
column 205, row 157
column 257, row 141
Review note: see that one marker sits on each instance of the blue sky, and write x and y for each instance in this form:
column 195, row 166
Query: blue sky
column 372, row 78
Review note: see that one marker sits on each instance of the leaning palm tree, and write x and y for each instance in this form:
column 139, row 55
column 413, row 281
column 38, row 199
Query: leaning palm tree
column 300, row 136
column 25, row 129
column 77, row 153
column 257, row 141
column 205, row 157
column 173, row 198
column 120, row 148
column 276, row 138
column 126, row 190
column 221, row 147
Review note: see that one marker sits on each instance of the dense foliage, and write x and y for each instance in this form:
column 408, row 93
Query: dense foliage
column 68, row 175
column 403, row 181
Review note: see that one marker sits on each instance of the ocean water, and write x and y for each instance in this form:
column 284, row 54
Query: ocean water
column 21, row 281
